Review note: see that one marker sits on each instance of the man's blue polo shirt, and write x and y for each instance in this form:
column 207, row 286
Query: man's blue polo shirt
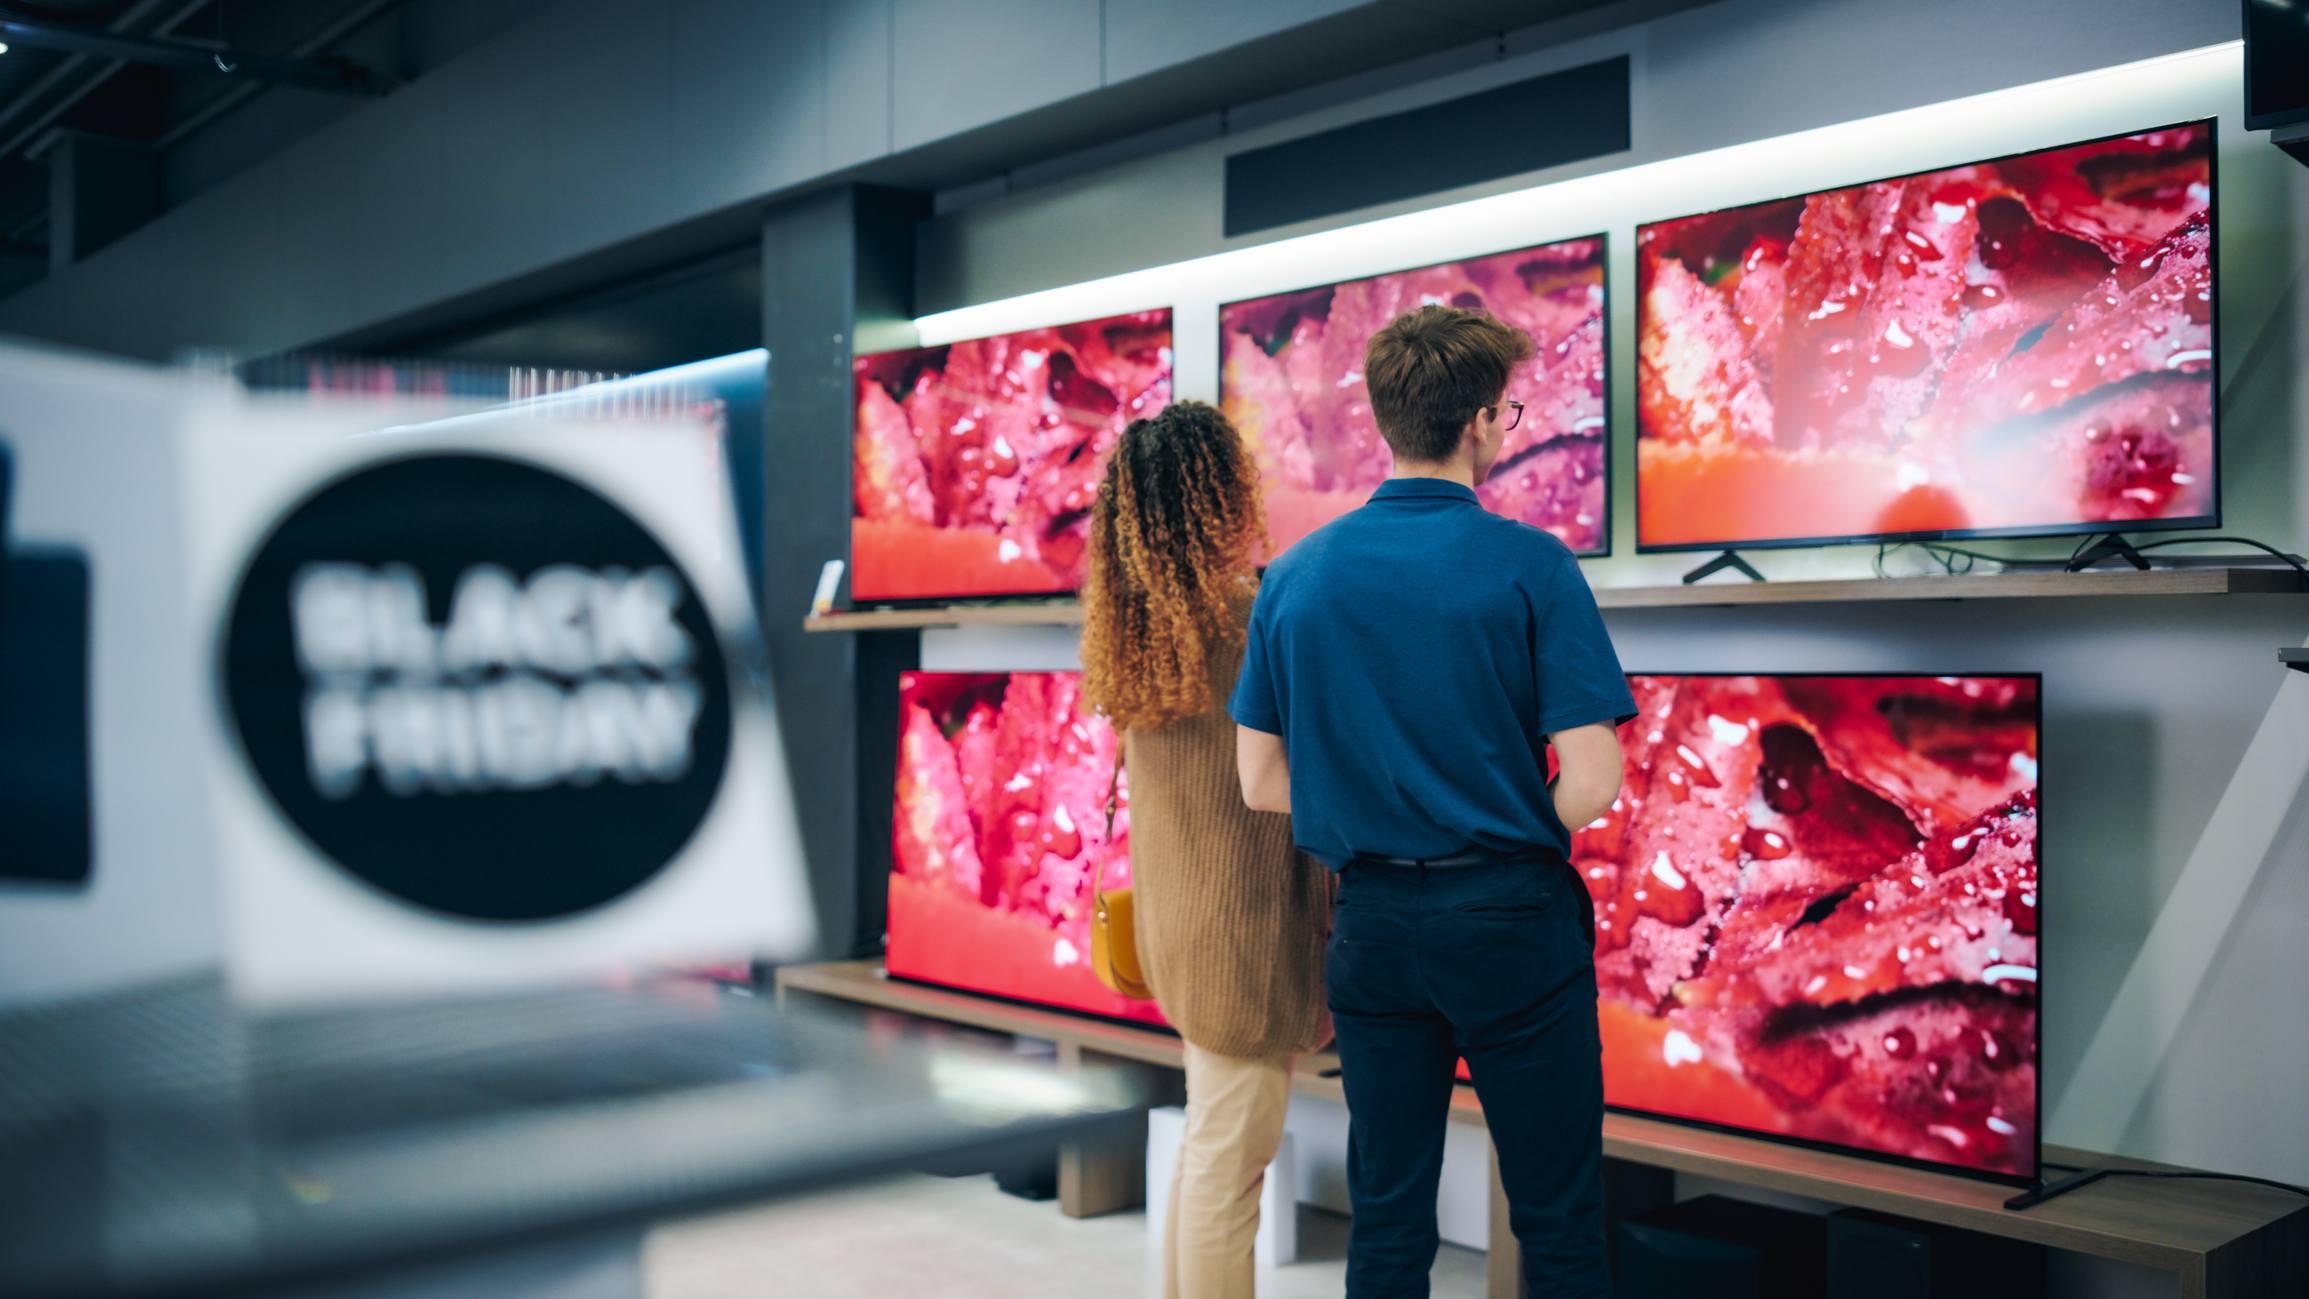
column 1414, row 655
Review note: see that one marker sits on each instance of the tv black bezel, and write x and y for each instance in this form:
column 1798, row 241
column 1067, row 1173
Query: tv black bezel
column 1603, row 238
column 862, row 603
column 2036, row 1047
column 2194, row 522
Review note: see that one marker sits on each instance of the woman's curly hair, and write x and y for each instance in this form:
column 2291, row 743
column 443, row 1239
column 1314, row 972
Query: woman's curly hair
column 1173, row 535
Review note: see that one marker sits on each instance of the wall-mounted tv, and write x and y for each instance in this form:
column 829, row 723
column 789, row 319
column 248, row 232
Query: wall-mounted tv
column 1001, row 805
column 1291, row 380
column 2012, row 348
column 1816, row 913
column 976, row 463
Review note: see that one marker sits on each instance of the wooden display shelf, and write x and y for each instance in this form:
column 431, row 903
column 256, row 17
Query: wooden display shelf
column 1059, row 613
column 2225, row 1240
column 2187, row 1227
column 865, row 983
column 1984, row 586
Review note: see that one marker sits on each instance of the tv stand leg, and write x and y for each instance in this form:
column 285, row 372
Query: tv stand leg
column 2075, row 1181
column 2111, row 544
column 1729, row 559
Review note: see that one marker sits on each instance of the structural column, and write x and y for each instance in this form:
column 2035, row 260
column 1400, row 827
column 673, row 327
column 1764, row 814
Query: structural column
column 837, row 280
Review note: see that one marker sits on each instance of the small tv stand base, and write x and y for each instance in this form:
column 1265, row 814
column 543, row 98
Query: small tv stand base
column 2072, row 1182
column 1729, row 559
column 2110, row 546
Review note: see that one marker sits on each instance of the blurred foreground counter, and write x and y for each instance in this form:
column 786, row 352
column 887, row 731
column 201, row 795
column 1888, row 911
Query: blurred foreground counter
column 165, row 1142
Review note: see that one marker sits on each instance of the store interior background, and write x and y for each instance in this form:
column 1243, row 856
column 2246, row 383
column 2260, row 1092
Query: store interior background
column 597, row 186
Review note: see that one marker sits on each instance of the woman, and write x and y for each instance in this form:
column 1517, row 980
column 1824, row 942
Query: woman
column 1231, row 919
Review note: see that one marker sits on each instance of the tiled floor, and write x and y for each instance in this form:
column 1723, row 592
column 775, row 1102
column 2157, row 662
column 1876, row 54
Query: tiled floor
column 959, row 1238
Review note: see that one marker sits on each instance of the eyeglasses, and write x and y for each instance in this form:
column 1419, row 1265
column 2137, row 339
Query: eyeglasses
column 1517, row 417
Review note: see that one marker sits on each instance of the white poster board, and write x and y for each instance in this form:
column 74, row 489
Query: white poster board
column 388, row 703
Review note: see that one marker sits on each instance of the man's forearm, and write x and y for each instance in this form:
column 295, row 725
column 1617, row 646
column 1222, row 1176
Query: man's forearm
column 1588, row 779
column 1265, row 768
column 1579, row 804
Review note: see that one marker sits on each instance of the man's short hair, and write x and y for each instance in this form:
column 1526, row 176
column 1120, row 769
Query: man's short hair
column 1431, row 370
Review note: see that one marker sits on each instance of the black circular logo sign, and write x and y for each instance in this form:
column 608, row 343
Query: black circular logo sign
column 478, row 686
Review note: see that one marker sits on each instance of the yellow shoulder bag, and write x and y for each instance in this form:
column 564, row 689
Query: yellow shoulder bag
column 1113, row 939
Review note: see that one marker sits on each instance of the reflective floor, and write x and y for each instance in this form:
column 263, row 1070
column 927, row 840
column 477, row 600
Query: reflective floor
column 960, row 1238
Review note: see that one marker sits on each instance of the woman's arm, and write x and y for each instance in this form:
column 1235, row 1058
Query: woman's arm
column 1265, row 768
column 1587, row 760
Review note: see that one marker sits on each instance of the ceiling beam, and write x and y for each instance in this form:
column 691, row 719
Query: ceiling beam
column 329, row 73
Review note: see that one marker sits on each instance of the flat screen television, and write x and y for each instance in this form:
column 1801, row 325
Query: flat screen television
column 975, row 464
column 1816, row 913
column 1291, row 380
column 2017, row 347
column 1816, row 898
column 1000, row 812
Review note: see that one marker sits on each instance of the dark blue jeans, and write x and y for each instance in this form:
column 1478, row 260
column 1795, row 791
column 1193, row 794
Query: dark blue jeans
column 1491, row 963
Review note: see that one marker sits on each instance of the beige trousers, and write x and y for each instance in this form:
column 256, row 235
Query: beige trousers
column 1234, row 1123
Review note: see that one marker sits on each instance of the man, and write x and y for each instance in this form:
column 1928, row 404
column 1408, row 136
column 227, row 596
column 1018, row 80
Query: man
column 1408, row 666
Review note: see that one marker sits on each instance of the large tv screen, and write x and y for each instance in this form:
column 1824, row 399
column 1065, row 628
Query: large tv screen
column 1292, row 382
column 1816, row 897
column 1001, row 807
column 1816, row 912
column 976, row 463
column 2016, row 347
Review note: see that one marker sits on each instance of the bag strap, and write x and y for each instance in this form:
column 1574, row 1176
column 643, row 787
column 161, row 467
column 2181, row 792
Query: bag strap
column 1113, row 782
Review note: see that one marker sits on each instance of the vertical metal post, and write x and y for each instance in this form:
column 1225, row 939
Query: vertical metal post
column 835, row 265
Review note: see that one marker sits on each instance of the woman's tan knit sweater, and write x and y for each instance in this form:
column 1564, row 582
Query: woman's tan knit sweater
column 1231, row 919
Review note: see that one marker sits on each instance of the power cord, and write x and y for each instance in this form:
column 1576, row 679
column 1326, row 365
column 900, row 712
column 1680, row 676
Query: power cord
column 2083, row 1177
column 1946, row 555
column 2294, row 562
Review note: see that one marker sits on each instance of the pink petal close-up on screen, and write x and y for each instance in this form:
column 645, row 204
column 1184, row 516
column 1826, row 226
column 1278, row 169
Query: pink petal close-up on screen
column 999, row 821
column 1292, row 382
column 1816, row 903
column 2015, row 345
column 976, row 464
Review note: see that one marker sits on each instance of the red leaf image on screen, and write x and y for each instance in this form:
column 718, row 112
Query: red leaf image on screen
column 1001, row 811
column 2014, row 346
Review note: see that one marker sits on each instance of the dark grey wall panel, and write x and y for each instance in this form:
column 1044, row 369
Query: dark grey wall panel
column 1147, row 36
column 857, row 75
column 709, row 308
column 956, row 64
column 1731, row 72
column 829, row 263
column 612, row 141
column 730, row 77
column 1543, row 122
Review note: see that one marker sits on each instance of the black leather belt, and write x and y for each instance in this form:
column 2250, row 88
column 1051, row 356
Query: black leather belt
column 1471, row 857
